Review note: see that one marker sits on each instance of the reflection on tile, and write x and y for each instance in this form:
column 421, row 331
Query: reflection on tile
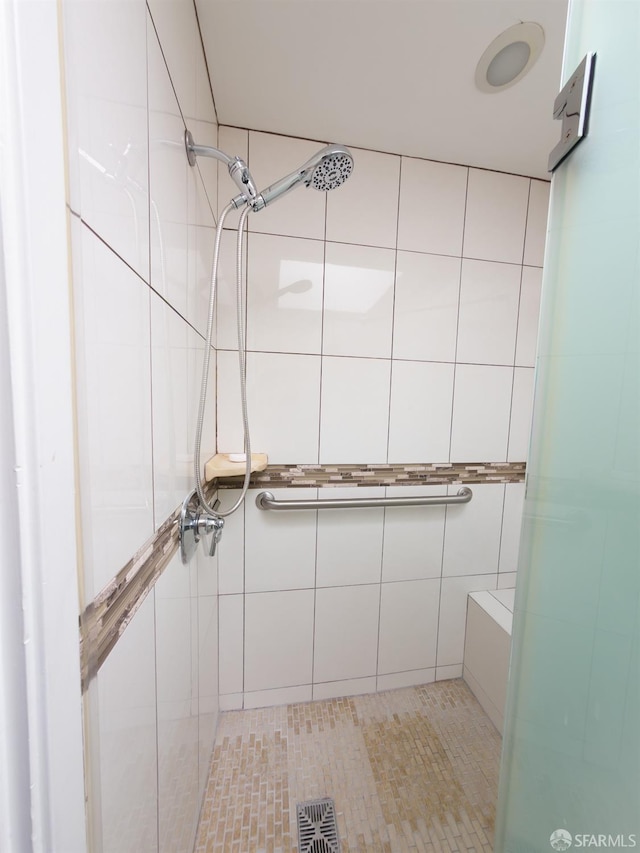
column 284, row 302
column 358, row 301
column 106, row 60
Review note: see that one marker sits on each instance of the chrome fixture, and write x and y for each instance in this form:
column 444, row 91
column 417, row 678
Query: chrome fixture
column 194, row 524
column 266, row 500
column 326, row 170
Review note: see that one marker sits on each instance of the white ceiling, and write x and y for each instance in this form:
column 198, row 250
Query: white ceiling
column 391, row 75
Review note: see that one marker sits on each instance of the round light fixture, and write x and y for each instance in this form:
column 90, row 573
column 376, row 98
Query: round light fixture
column 509, row 57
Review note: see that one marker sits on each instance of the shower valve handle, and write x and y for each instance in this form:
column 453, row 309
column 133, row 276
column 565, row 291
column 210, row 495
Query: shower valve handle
column 216, row 527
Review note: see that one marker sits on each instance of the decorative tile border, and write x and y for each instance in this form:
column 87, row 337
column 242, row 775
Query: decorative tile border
column 103, row 620
column 314, row 476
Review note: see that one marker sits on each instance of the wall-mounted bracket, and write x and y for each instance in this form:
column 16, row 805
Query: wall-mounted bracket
column 572, row 108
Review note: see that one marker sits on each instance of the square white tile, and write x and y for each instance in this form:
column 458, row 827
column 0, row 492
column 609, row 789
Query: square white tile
column 481, row 407
column 284, row 294
column 231, row 634
column 426, row 307
column 495, row 217
column 472, row 532
column 511, row 527
column 278, row 639
column 355, row 410
column 432, row 202
column 106, row 64
column 364, row 210
column 489, row 296
column 346, row 632
column 349, row 549
column 358, row 301
column 114, row 405
column 420, row 411
column 300, row 213
column 453, row 614
column 408, row 625
column 528, row 317
column 413, row 536
column 280, row 547
column 537, row 223
column 521, row 414
column 283, row 392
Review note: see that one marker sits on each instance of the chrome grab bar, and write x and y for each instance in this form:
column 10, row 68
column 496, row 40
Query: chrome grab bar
column 266, row 500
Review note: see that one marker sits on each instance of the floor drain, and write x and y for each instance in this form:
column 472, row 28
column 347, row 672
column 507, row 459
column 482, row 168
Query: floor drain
column 317, row 827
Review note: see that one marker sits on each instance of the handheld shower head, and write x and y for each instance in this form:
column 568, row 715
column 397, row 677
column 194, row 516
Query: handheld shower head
column 325, row 171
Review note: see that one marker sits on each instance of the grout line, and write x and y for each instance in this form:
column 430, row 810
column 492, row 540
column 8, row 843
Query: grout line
column 206, row 64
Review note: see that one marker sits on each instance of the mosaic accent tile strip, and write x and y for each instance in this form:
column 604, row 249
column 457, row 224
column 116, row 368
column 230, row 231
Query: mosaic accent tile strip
column 414, row 769
column 104, row 619
column 314, row 476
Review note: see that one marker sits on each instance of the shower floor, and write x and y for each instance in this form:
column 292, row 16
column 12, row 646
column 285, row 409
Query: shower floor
column 410, row 769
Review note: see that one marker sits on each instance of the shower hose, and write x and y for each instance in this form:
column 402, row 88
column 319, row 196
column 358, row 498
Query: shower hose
column 242, row 360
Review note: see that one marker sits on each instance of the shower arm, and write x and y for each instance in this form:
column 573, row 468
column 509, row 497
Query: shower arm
column 238, row 169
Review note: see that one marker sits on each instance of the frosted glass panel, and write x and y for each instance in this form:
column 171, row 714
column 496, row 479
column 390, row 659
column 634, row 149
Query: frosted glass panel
column 571, row 758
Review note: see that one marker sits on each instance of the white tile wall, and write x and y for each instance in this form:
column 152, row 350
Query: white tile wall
column 354, row 418
column 141, row 245
column 284, row 302
column 496, row 216
column 424, row 309
column 432, row 207
column 358, row 301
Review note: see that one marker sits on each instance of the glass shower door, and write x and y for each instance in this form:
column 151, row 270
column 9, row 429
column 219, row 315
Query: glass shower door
column 571, row 757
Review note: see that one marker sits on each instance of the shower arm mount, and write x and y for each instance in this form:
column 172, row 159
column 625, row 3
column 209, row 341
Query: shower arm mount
column 238, row 169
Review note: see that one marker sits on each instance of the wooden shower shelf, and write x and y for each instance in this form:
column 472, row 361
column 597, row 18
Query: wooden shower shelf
column 221, row 466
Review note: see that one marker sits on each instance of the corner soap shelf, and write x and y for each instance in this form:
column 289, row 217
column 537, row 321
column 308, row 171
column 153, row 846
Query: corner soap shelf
column 221, row 466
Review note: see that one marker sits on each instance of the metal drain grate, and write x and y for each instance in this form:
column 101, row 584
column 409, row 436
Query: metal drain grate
column 317, row 827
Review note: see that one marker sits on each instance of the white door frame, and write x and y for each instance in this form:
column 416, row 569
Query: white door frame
column 41, row 755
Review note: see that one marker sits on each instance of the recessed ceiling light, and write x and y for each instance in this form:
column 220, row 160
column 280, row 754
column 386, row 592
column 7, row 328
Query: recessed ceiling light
column 509, row 57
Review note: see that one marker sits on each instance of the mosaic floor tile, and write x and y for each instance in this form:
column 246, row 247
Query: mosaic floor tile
column 409, row 770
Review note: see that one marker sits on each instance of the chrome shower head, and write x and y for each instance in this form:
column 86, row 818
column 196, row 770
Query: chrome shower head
column 325, row 171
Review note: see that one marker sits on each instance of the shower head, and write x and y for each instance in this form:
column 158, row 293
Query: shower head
column 326, row 170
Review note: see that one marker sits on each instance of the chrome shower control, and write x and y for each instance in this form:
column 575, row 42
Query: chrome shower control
column 194, row 523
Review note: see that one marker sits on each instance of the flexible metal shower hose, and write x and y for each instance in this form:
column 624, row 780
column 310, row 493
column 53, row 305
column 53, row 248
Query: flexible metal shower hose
column 241, row 359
